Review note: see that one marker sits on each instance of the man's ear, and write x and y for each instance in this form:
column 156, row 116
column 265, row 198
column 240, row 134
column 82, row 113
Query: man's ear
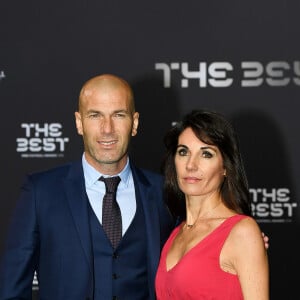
column 135, row 124
column 78, row 123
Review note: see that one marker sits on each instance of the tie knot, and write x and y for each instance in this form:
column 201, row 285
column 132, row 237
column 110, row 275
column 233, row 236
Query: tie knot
column 111, row 183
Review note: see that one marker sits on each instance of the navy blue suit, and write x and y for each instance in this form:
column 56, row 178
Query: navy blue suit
column 51, row 233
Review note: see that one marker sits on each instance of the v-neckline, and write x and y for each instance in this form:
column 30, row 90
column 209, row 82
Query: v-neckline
column 195, row 246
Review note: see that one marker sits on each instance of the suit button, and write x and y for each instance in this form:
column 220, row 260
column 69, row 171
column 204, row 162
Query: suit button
column 115, row 256
column 114, row 298
column 115, row 276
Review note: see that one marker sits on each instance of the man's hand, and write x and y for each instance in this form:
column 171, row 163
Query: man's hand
column 266, row 240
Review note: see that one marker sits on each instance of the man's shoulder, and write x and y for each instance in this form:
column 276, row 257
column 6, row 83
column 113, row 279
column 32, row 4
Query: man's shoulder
column 146, row 172
column 57, row 171
column 147, row 176
column 151, row 173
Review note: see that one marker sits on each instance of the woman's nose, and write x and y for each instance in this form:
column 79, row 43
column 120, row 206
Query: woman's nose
column 192, row 164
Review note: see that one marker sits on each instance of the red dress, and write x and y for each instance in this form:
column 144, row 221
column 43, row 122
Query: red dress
column 198, row 274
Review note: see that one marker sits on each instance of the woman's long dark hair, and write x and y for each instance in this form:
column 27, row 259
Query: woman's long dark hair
column 211, row 128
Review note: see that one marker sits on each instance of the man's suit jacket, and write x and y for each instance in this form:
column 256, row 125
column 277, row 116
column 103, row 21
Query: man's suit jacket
column 50, row 232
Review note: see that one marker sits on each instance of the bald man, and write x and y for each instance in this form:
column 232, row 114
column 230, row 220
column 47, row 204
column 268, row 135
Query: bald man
column 57, row 226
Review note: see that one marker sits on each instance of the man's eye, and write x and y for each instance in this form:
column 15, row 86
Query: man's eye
column 207, row 154
column 92, row 116
column 120, row 115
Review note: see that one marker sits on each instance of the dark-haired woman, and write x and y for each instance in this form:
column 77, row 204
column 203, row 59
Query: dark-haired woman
column 217, row 251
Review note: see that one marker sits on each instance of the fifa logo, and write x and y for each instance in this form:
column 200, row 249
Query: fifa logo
column 220, row 74
column 41, row 140
column 273, row 205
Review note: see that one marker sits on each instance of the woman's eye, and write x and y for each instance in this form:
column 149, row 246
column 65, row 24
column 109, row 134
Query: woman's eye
column 207, row 154
column 182, row 152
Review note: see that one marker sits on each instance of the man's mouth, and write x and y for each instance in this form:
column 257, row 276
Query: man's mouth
column 107, row 143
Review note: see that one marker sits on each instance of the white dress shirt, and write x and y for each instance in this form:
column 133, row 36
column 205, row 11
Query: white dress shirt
column 125, row 193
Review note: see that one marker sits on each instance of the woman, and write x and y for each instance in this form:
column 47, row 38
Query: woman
column 217, row 251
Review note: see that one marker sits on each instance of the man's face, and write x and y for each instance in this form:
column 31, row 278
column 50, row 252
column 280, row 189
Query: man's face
column 106, row 121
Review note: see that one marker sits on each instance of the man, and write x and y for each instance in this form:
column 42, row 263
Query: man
column 57, row 228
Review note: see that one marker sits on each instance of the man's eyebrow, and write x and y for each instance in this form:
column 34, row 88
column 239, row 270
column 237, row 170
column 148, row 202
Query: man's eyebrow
column 121, row 111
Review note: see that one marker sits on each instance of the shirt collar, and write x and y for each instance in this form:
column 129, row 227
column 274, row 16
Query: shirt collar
column 91, row 175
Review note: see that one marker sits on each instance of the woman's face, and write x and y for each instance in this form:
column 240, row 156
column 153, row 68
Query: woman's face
column 199, row 166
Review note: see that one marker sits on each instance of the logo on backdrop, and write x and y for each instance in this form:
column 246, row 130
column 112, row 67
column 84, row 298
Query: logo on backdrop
column 41, row 140
column 221, row 74
column 2, row 75
column 273, row 205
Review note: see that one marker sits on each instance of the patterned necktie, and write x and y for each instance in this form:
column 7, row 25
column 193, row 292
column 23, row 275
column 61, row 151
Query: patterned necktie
column 111, row 214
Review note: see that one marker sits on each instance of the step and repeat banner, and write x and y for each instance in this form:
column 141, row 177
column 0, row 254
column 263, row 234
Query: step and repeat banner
column 241, row 58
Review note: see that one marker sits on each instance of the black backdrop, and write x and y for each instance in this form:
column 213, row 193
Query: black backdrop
column 238, row 57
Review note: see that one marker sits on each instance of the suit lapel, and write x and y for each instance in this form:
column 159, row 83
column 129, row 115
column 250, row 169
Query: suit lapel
column 78, row 203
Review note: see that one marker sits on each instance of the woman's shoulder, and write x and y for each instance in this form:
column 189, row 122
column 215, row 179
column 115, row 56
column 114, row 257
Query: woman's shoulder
column 246, row 231
column 244, row 244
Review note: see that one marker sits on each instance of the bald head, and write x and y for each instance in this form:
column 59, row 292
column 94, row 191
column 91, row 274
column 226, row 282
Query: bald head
column 105, row 83
column 106, row 120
